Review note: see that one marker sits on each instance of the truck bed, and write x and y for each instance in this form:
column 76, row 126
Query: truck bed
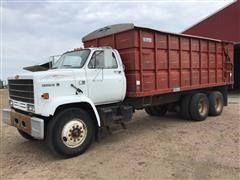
column 159, row 62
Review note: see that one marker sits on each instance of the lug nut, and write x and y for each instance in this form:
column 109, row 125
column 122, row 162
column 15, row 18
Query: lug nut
column 64, row 139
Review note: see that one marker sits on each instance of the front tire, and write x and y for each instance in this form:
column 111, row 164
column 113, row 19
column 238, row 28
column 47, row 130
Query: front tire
column 70, row 132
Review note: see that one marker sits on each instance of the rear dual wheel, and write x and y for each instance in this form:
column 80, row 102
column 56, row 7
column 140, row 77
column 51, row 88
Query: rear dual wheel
column 185, row 107
column 215, row 103
column 194, row 107
column 198, row 106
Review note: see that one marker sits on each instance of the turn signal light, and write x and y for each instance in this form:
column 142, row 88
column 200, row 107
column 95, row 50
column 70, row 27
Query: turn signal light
column 45, row 96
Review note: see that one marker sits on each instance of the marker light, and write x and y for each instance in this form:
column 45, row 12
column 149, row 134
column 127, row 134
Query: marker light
column 45, row 96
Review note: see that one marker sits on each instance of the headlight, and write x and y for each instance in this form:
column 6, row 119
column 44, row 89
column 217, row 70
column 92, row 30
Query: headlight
column 10, row 103
column 30, row 108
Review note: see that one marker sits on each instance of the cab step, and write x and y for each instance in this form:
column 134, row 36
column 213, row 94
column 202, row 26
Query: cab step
column 116, row 129
column 113, row 129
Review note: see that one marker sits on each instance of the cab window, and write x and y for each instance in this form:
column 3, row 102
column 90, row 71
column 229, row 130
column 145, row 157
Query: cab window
column 97, row 61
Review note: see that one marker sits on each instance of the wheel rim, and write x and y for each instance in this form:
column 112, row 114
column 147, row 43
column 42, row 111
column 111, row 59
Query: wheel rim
column 218, row 104
column 202, row 107
column 74, row 133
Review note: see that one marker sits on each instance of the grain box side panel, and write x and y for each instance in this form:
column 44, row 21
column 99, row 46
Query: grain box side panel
column 132, row 87
column 130, row 58
column 91, row 43
column 162, row 62
column 127, row 39
column 204, row 62
column 195, row 50
column 147, row 61
column 159, row 62
column 106, row 41
column 219, row 63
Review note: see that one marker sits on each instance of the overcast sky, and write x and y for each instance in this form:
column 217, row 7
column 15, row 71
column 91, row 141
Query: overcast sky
column 34, row 30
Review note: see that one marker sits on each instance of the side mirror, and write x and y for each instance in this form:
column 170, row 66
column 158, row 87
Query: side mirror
column 53, row 60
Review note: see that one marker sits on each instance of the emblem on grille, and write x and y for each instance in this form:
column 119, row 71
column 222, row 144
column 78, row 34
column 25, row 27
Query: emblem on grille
column 17, row 77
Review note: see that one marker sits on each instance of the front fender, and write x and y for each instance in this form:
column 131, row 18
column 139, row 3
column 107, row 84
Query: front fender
column 50, row 107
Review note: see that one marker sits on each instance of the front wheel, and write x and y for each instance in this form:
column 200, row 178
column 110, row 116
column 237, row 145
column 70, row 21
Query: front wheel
column 71, row 132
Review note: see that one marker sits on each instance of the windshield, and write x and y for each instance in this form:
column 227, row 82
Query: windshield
column 75, row 59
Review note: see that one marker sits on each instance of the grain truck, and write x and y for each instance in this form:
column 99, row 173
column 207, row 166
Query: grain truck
column 121, row 69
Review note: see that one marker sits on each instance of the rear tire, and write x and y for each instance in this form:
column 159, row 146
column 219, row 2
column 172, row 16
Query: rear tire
column 215, row 103
column 25, row 135
column 199, row 107
column 70, row 132
column 185, row 107
column 156, row 110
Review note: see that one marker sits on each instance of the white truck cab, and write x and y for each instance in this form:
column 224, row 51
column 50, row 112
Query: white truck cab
column 85, row 77
column 98, row 74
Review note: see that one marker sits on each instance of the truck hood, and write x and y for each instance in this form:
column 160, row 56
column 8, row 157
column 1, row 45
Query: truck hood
column 53, row 74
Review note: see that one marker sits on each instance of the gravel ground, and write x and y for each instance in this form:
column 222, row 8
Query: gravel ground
column 150, row 148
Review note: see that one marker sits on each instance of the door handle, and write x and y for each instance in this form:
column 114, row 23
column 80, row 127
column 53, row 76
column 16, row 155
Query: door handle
column 117, row 71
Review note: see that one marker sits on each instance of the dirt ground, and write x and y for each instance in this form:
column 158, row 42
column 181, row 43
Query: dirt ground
column 150, row 148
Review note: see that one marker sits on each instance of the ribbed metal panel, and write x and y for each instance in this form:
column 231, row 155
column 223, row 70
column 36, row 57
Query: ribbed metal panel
column 159, row 62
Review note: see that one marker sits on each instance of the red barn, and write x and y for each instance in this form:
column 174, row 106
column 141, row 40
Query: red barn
column 224, row 25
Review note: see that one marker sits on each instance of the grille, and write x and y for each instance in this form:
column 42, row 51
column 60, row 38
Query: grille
column 21, row 90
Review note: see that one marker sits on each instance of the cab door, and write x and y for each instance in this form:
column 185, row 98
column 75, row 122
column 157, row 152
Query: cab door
column 105, row 78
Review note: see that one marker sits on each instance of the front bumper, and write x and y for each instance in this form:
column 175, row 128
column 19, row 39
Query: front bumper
column 30, row 125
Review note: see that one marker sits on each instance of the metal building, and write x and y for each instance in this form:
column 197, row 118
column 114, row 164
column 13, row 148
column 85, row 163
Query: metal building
column 224, row 25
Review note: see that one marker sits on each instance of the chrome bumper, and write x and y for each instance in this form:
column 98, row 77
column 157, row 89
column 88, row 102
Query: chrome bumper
column 30, row 125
